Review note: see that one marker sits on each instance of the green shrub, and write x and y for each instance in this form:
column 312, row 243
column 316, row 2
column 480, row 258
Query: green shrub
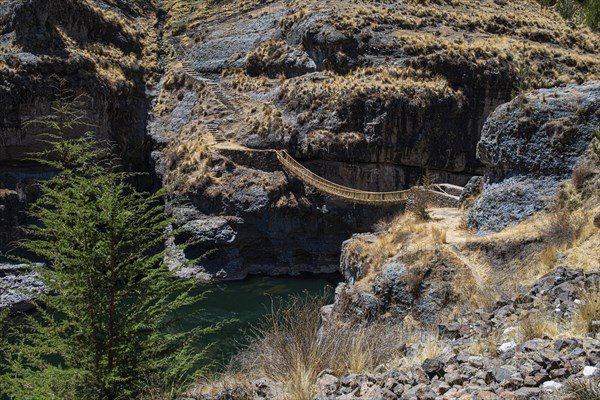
column 596, row 141
column 592, row 14
column 587, row 11
column 567, row 8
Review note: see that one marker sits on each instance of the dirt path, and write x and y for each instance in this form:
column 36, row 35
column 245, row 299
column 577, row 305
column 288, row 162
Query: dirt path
column 451, row 220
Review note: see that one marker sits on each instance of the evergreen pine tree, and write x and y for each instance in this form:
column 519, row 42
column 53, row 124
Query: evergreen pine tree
column 105, row 328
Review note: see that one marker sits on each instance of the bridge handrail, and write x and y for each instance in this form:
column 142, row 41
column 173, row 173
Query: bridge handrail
column 355, row 195
column 326, row 186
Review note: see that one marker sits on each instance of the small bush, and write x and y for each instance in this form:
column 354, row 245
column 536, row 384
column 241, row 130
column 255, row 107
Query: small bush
column 581, row 174
column 431, row 347
column 487, row 345
column 547, row 259
column 567, row 8
column 596, row 141
column 592, row 14
column 523, row 77
column 419, row 199
column 440, row 234
column 267, row 58
column 382, row 225
column 563, row 225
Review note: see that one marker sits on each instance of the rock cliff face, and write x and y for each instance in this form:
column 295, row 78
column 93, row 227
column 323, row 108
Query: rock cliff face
column 370, row 95
column 528, row 147
column 100, row 52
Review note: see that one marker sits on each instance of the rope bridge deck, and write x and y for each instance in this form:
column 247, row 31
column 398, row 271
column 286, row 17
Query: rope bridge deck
column 353, row 195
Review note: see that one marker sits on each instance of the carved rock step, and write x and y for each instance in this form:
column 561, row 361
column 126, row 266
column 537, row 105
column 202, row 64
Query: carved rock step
column 214, row 87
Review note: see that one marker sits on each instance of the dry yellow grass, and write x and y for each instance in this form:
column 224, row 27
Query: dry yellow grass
column 242, row 82
column 518, row 19
column 267, row 120
column 586, row 321
column 423, row 246
column 428, row 343
column 216, row 383
column 382, row 82
column 431, row 347
column 185, row 15
column 483, row 34
column 536, row 325
column 114, row 66
column 531, row 248
column 439, row 234
column 266, row 54
column 486, row 345
column 188, row 165
column 491, row 266
column 547, row 259
column 293, row 346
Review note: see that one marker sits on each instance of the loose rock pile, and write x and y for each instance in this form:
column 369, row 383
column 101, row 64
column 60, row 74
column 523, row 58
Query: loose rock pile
column 540, row 368
column 530, row 370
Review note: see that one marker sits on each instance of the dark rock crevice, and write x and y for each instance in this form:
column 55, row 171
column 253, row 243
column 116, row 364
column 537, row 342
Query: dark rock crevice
column 59, row 50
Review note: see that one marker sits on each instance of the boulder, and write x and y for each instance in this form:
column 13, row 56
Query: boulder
column 590, row 371
column 18, row 286
column 529, row 146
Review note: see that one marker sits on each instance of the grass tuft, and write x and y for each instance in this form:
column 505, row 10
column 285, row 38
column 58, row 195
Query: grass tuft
column 535, row 326
column 294, row 345
column 587, row 319
column 583, row 389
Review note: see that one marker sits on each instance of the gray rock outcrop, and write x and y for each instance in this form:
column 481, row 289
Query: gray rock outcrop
column 529, row 146
column 18, row 287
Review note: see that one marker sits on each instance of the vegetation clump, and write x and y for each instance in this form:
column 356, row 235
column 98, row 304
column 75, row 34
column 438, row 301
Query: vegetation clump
column 104, row 327
column 587, row 319
column 336, row 91
column 578, row 11
column 295, row 344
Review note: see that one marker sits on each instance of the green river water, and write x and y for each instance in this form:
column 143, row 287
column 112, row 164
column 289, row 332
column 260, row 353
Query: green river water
column 245, row 304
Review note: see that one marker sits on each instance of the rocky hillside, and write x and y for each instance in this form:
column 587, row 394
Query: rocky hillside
column 499, row 299
column 540, row 195
column 534, row 345
column 495, row 299
column 369, row 94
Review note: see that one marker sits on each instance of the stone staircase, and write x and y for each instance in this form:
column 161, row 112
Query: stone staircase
column 215, row 130
column 213, row 87
column 214, row 127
